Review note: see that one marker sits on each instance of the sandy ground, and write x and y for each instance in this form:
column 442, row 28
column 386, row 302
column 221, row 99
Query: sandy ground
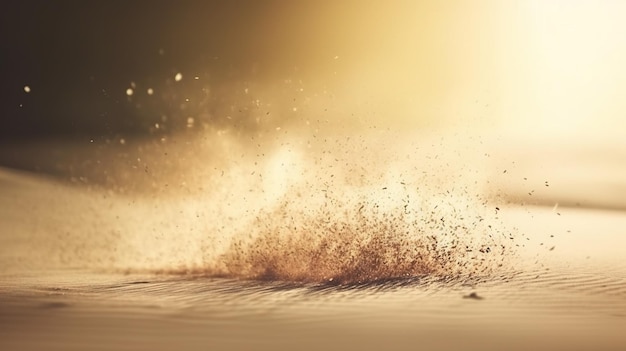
column 68, row 281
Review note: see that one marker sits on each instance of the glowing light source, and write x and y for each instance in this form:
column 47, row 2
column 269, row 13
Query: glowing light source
column 178, row 77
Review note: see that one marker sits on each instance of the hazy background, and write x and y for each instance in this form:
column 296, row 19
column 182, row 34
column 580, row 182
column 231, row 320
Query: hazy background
column 548, row 65
column 530, row 77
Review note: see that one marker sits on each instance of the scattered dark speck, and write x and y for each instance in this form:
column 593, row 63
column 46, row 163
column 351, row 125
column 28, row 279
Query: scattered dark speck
column 473, row 296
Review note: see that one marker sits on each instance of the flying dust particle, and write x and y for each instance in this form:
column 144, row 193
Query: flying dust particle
column 362, row 243
column 332, row 212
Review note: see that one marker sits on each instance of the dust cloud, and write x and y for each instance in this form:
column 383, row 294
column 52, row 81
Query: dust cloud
column 291, row 204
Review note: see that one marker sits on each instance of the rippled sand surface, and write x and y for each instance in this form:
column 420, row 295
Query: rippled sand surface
column 565, row 309
column 563, row 288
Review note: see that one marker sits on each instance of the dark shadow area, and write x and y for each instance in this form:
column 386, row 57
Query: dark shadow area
column 67, row 65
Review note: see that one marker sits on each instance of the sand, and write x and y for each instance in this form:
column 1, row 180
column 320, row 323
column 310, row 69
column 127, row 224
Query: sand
column 69, row 281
